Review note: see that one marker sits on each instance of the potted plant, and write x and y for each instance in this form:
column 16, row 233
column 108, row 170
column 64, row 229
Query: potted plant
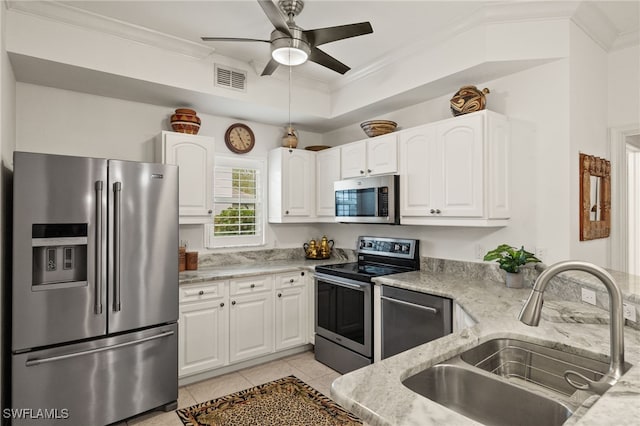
column 511, row 259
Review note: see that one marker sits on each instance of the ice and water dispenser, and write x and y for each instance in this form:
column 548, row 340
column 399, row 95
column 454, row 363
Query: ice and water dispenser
column 59, row 255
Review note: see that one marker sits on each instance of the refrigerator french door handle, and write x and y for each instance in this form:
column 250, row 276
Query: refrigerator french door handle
column 98, row 262
column 117, row 217
column 38, row 361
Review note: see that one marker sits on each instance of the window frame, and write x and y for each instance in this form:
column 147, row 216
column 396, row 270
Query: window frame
column 258, row 164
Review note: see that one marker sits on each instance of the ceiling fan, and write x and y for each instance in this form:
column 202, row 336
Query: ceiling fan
column 291, row 45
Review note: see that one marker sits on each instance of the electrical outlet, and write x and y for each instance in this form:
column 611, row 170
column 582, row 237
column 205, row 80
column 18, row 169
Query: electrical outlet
column 479, row 252
column 589, row 296
column 629, row 311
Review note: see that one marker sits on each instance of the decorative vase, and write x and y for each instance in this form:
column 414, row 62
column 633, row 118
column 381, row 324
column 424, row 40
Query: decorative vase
column 290, row 139
column 468, row 99
column 515, row 280
column 185, row 121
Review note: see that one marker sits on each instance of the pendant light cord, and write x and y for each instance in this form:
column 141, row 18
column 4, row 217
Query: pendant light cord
column 290, row 128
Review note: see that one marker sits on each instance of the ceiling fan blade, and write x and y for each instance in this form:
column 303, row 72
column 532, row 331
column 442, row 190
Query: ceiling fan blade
column 319, row 57
column 232, row 39
column 327, row 35
column 270, row 68
column 276, row 16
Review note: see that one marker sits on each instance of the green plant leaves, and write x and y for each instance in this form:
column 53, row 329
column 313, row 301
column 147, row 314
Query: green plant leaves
column 510, row 258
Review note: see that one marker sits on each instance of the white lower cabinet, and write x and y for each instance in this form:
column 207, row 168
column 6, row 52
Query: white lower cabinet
column 202, row 328
column 290, row 311
column 228, row 321
column 250, row 326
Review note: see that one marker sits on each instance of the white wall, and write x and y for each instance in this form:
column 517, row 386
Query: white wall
column 7, row 144
column 534, row 99
column 64, row 122
column 623, row 73
column 588, row 121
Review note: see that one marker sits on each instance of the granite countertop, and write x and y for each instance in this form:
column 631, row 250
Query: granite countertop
column 259, row 268
column 376, row 394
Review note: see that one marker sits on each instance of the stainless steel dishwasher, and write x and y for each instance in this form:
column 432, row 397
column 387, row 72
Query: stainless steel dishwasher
column 410, row 318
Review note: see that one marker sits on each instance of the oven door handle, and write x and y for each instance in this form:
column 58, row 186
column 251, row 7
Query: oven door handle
column 342, row 282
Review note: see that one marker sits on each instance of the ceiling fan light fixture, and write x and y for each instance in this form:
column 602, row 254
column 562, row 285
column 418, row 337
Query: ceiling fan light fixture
column 290, row 56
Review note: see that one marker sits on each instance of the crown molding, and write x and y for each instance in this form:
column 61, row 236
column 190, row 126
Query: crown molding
column 59, row 12
column 629, row 39
column 584, row 14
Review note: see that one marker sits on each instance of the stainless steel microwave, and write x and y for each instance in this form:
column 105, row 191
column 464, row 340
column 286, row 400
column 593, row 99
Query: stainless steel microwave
column 368, row 200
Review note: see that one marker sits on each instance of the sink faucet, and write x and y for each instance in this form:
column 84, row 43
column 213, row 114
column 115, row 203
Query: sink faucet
column 530, row 315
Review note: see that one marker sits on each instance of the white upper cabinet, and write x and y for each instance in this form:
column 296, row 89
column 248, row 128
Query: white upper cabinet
column 194, row 157
column 327, row 171
column 354, row 159
column 370, row 157
column 456, row 172
column 292, row 186
column 382, row 155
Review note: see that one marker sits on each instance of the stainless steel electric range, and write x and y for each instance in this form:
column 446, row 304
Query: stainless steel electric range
column 344, row 300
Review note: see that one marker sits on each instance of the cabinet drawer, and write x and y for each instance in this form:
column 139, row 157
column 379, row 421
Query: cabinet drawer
column 251, row 284
column 203, row 291
column 290, row 279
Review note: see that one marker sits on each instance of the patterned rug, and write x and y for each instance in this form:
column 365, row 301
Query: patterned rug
column 286, row 401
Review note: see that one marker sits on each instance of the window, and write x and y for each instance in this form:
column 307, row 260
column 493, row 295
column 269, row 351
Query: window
column 237, row 203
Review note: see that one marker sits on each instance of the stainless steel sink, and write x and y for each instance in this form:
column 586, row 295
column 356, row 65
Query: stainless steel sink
column 485, row 399
column 508, row 382
column 523, row 361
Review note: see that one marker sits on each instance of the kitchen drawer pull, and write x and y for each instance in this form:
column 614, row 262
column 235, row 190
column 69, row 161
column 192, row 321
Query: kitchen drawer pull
column 292, row 280
column 279, row 294
column 369, row 170
column 361, row 172
column 233, row 302
column 252, row 286
column 432, row 211
column 413, row 305
column 37, row 361
column 222, row 304
column 201, row 292
column 302, row 274
column 438, row 211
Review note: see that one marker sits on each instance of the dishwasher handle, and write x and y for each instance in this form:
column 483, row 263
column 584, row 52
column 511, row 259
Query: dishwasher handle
column 413, row 305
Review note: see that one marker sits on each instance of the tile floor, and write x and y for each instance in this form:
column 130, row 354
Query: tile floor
column 303, row 366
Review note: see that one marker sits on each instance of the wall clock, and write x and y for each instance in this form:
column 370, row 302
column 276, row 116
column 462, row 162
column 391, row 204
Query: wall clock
column 239, row 138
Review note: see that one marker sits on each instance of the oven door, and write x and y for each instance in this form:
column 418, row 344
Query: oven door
column 343, row 312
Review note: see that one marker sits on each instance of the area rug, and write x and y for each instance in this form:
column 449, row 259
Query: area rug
column 287, row 401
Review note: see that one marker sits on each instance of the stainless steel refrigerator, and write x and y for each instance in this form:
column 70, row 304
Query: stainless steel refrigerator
column 95, row 289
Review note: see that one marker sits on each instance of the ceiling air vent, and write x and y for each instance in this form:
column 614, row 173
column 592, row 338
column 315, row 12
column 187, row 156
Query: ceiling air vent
column 231, row 78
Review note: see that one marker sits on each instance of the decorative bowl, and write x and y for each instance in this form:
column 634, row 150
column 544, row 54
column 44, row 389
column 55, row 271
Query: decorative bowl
column 378, row 127
column 317, row 147
column 185, row 127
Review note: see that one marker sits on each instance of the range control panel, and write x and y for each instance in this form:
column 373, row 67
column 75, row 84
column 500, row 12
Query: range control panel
column 391, row 247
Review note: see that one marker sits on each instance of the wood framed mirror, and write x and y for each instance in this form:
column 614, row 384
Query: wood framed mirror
column 595, row 197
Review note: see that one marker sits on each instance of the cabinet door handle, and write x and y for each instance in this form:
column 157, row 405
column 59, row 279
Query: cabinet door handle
column 361, row 172
column 438, row 211
column 210, row 211
column 286, row 212
column 279, row 294
column 302, row 274
column 233, row 302
column 369, row 170
column 252, row 286
column 432, row 211
column 201, row 292
column 222, row 304
column 291, row 280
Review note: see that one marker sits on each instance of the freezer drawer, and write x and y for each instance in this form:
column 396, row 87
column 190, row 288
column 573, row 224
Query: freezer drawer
column 98, row 382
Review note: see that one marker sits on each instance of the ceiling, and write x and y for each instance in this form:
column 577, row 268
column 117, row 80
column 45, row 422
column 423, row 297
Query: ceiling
column 396, row 24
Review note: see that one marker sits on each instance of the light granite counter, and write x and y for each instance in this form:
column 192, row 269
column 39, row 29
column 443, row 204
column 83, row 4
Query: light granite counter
column 376, row 394
column 244, row 264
